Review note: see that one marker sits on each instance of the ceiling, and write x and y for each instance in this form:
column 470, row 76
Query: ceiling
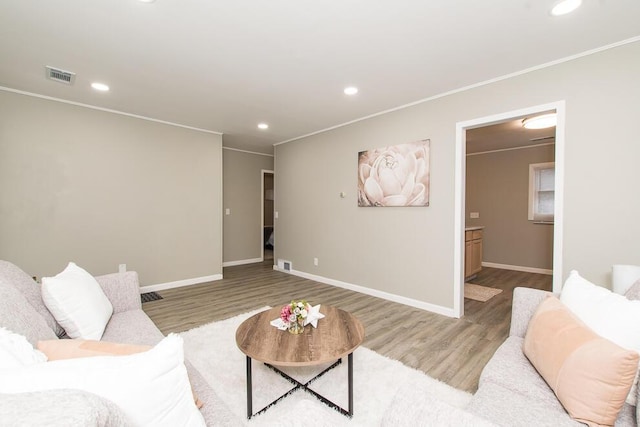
column 224, row 66
column 507, row 135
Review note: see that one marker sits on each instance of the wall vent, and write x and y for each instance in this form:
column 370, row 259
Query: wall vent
column 284, row 265
column 59, row 75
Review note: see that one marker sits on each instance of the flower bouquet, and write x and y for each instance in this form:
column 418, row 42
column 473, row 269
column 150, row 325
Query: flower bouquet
column 294, row 315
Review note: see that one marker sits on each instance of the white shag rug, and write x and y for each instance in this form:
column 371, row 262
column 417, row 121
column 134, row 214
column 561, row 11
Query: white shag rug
column 377, row 380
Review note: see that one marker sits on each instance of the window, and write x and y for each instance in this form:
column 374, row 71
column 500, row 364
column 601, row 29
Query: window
column 541, row 191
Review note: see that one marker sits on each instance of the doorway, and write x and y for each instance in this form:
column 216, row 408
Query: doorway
column 267, row 241
column 466, row 133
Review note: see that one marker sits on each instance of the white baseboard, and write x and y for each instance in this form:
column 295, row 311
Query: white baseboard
column 518, row 268
column 241, row 262
column 179, row 283
column 438, row 309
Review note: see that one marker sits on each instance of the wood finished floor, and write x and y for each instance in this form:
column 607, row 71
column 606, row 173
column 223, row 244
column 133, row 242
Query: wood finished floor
column 451, row 350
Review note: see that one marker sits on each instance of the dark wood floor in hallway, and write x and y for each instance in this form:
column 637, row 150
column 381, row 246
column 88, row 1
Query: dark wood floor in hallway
column 451, row 350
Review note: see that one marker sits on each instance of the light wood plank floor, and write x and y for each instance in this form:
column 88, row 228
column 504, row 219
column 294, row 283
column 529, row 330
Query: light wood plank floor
column 451, row 350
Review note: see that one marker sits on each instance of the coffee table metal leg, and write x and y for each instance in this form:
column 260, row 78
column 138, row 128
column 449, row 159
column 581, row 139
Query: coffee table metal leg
column 250, row 390
column 350, row 373
column 298, row 385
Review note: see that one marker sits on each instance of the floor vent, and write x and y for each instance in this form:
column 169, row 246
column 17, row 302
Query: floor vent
column 59, row 75
column 150, row 296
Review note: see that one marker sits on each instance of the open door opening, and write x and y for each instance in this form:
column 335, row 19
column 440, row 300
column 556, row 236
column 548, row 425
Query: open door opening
column 268, row 232
column 508, row 202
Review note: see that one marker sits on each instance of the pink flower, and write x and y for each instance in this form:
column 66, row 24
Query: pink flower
column 285, row 313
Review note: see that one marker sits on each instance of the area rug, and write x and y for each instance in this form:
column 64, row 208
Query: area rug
column 377, row 381
column 480, row 293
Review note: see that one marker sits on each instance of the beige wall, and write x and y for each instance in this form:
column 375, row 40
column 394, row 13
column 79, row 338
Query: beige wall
column 498, row 189
column 102, row 189
column 242, row 194
column 409, row 251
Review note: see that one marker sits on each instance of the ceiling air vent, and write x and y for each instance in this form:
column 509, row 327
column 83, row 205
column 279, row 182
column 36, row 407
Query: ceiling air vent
column 60, row 75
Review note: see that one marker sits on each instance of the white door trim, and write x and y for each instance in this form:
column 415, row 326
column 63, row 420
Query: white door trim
column 459, row 194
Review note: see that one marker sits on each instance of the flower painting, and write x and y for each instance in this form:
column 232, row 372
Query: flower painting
column 394, row 176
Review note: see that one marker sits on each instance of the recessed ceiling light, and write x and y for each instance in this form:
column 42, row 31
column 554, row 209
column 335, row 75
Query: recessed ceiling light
column 351, row 90
column 146, row 1
column 100, row 86
column 540, row 122
column 263, row 126
column 565, row 6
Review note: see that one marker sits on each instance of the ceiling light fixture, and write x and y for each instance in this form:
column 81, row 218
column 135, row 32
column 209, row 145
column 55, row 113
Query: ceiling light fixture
column 540, row 122
column 100, row 86
column 263, row 126
column 565, row 6
column 146, row 1
column 351, row 90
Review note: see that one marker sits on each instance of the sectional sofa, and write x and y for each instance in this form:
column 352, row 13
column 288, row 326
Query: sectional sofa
column 511, row 391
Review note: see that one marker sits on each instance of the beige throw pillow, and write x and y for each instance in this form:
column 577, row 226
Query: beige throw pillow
column 590, row 375
column 606, row 313
column 71, row 349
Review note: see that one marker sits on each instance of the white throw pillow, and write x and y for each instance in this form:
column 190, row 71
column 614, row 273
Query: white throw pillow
column 16, row 351
column 152, row 388
column 77, row 301
column 608, row 314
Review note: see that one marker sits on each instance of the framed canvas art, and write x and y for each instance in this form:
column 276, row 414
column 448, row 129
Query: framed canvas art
column 397, row 175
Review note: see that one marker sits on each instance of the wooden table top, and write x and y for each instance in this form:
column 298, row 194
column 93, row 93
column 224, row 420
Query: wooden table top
column 338, row 334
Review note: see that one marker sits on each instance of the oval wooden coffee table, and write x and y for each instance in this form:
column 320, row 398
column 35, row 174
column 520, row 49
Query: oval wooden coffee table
column 338, row 334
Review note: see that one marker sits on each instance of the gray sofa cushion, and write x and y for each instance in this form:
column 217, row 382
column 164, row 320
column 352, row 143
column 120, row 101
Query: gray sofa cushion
column 20, row 280
column 525, row 303
column 214, row 411
column 432, row 411
column 59, row 408
column 510, row 369
column 122, row 289
column 132, row 327
column 506, row 408
column 17, row 315
column 627, row 416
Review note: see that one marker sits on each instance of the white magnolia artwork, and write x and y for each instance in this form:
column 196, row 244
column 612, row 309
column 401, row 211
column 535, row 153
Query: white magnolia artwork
column 394, row 176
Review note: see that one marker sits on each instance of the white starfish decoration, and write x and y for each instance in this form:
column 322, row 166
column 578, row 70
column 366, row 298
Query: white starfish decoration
column 313, row 316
